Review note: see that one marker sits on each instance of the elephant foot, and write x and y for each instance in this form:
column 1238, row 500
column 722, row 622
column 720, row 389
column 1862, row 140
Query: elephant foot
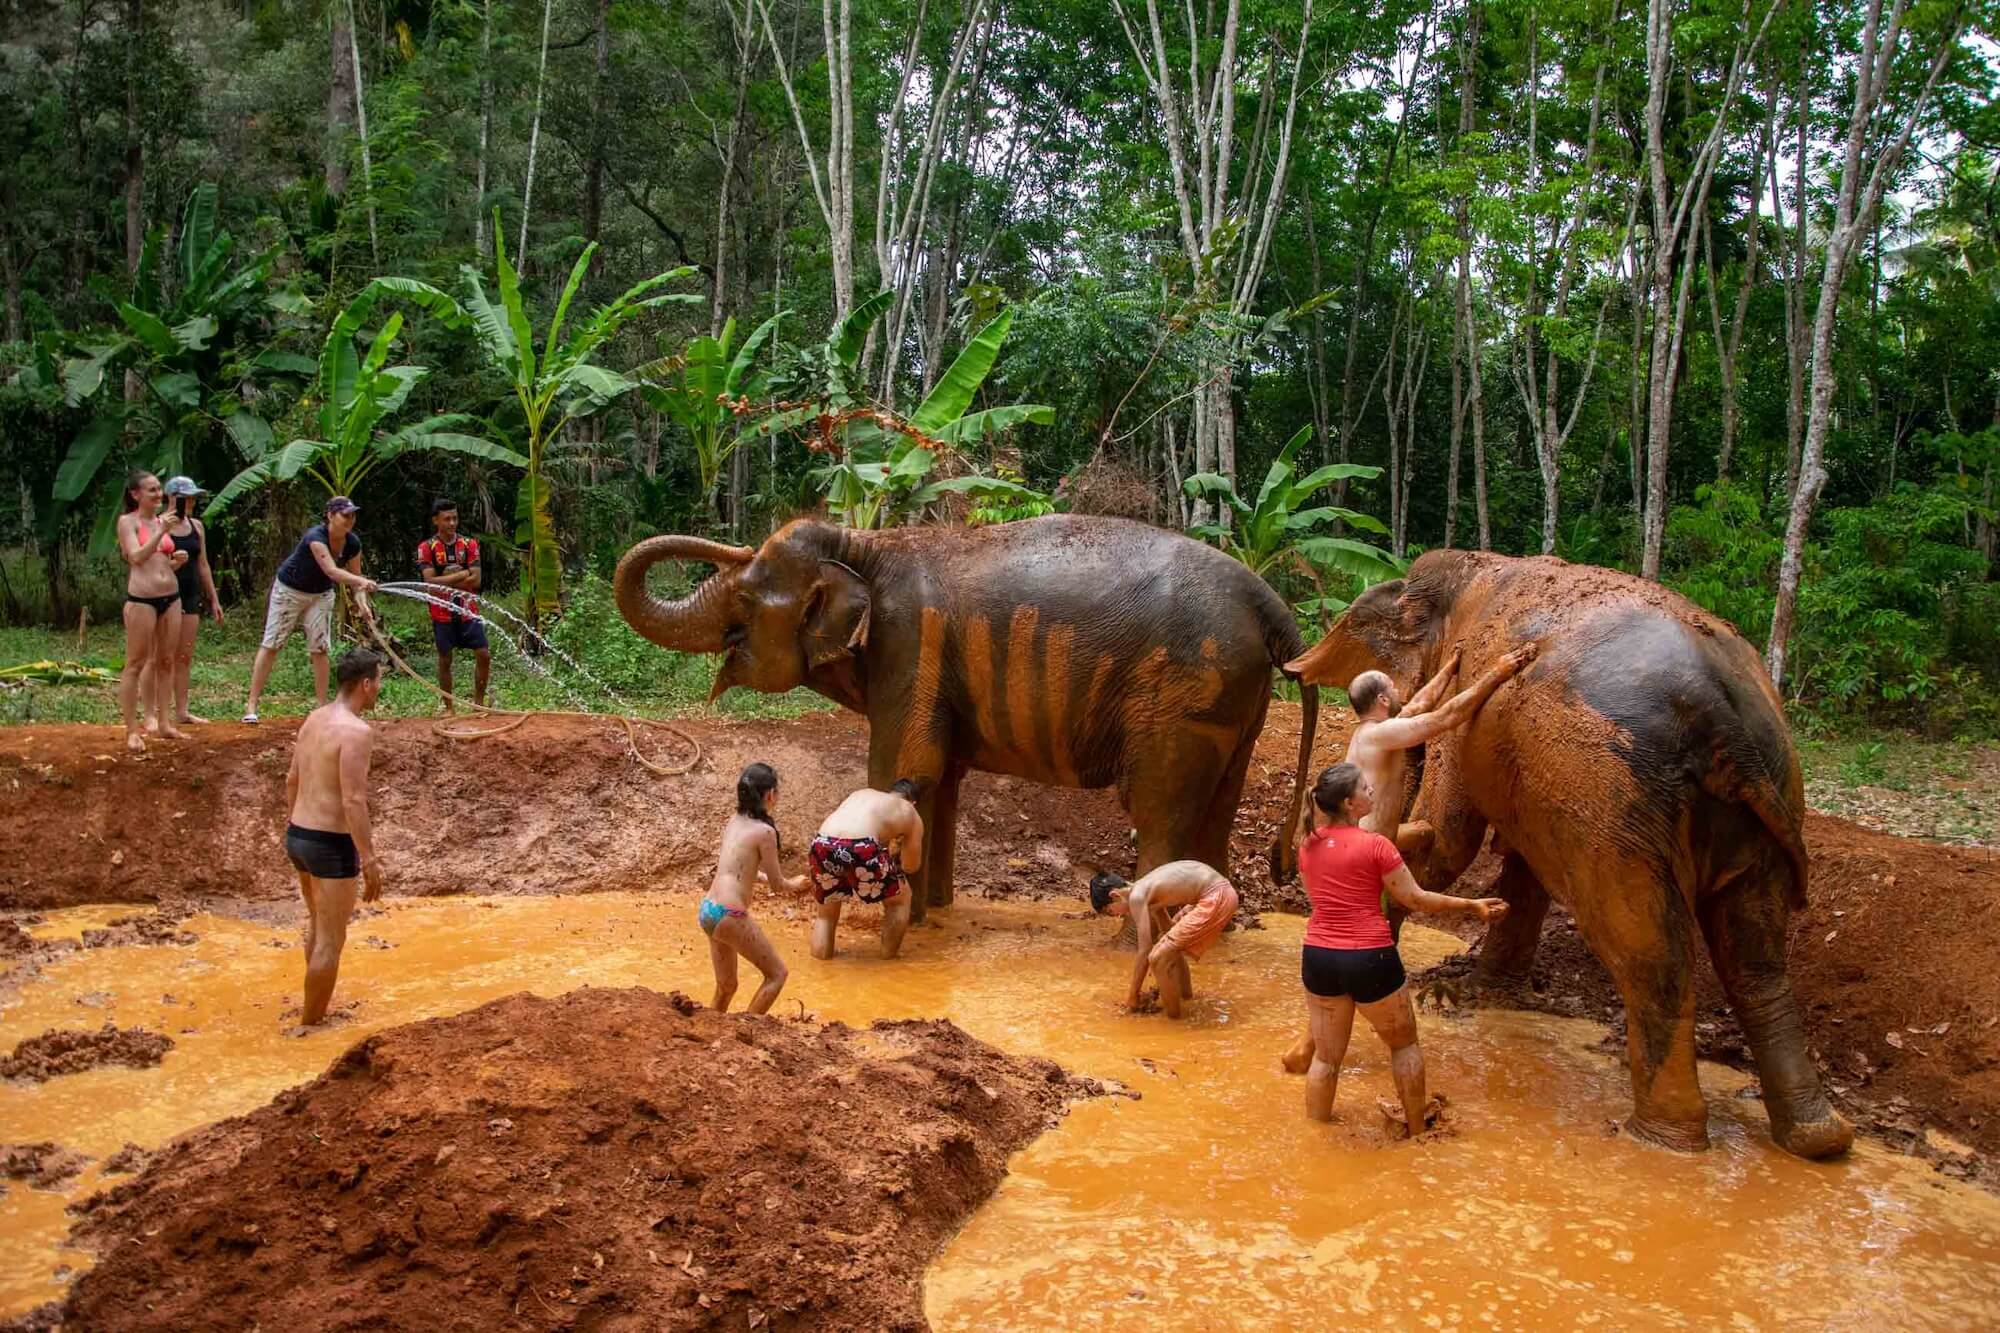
column 1827, row 1135
column 1674, row 1135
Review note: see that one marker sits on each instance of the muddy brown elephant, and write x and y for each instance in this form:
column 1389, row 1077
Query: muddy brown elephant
column 1641, row 774
column 1080, row 652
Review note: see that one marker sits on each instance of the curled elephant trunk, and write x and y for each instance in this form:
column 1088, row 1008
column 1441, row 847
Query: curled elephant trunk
column 691, row 624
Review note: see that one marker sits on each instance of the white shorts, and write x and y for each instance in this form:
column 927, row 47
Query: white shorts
column 288, row 607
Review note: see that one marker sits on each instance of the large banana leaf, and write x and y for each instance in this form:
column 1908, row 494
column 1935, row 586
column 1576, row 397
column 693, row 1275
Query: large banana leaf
column 1203, row 484
column 535, row 534
column 739, row 366
column 435, row 434
column 250, row 432
column 87, row 452
column 1279, row 473
column 515, row 310
column 852, row 332
column 955, row 389
column 1363, row 561
column 993, row 421
column 83, row 375
column 1319, row 477
column 145, row 278
column 1354, row 518
column 194, row 334
column 197, row 233
column 978, row 488
column 295, row 458
column 149, row 329
column 249, row 479
column 489, row 324
column 576, row 276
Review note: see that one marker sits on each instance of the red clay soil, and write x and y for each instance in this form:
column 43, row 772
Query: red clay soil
column 611, row 1159
column 68, row 1051
column 44, row 1166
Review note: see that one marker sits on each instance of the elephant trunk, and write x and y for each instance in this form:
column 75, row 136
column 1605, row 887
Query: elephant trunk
column 691, row 624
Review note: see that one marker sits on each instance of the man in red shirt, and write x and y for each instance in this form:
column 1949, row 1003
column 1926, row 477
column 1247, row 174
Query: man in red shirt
column 450, row 564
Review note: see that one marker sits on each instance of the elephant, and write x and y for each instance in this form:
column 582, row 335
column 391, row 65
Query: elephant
column 1075, row 651
column 1640, row 772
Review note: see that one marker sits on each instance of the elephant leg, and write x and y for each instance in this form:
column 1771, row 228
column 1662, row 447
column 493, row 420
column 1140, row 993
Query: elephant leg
column 1745, row 923
column 941, row 835
column 1211, row 842
column 1168, row 799
column 890, row 758
column 1507, row 957
column 1636, row 919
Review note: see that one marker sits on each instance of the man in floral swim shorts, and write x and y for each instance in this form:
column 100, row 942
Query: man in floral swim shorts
column 861, row 852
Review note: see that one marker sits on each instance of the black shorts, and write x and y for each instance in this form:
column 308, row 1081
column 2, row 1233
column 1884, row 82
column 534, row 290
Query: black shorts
column 450, row 634
column 1366, row 974
column 191, row 597
column 322, row 854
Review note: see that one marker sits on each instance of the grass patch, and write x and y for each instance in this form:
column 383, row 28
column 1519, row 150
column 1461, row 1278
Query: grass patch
column 654, row 683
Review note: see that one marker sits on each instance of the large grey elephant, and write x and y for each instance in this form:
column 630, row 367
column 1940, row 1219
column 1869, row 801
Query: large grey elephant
column 1081, row 652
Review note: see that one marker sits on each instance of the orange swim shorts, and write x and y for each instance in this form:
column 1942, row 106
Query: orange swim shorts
column 1203, row 921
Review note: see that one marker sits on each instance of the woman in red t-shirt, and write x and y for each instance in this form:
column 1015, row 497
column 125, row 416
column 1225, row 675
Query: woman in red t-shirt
column 1350, row 956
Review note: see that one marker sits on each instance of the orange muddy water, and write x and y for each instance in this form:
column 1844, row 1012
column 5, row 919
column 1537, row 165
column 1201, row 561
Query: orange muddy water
column 1209, row 1203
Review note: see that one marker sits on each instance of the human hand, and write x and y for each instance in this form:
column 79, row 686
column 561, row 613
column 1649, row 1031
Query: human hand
column 216, row 611
column 1489, row 909
column 366, row 585
column 178, row 559
column 371, row 880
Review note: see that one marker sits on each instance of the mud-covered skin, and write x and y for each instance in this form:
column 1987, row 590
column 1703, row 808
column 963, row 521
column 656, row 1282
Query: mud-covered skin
column 1080, row 652
column 1640, row 773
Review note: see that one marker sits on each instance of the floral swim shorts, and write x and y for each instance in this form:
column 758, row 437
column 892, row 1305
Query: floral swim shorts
column 863, row 867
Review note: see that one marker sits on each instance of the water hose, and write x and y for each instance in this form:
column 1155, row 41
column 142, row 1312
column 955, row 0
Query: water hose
column 515, row 717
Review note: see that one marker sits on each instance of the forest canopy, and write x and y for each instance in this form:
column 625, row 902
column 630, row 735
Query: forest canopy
column 1704, row 289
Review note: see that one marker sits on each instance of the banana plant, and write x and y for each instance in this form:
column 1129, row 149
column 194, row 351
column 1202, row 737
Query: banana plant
column 883, row 463
column 358, row 391
column 553, row 387
column 1275, row 533
column 192, row 334
column 706, row 376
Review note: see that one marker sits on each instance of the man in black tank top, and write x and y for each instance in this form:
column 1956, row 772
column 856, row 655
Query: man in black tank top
column 302, row 593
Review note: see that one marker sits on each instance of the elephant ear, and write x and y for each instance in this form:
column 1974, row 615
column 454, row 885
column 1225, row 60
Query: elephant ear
column 837, row 611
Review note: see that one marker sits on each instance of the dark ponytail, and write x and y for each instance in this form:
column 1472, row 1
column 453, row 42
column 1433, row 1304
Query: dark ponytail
column 1335, row 787
column 752, row 786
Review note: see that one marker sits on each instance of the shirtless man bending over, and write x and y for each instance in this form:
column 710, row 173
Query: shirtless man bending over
column 1210, row 900
column 1381, row 745
column 329, row 840
column 862, row 851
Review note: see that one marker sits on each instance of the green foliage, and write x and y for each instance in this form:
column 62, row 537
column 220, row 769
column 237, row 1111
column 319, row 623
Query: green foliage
column 552, row 388
column 1275, row 533
column 193, row 332
column 882, row 468
column 358, row 393
column 708, row 376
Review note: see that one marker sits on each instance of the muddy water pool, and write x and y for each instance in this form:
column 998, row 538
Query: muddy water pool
column 1208, row 1203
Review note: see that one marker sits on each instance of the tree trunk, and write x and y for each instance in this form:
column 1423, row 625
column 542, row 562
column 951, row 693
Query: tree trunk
column 361, row 129
column 746, row 39
column 1464, row 349
column 534, row 141
column 135, row 152
column 480, row 240
column 340, row 96
column 1855, row 209
column 593, row 173
column 1796, row 331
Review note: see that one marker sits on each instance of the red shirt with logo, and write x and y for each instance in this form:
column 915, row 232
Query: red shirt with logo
column 437, row 556
column 1346, row 868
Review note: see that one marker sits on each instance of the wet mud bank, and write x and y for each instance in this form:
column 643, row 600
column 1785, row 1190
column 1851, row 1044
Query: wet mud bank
column 606, row 1158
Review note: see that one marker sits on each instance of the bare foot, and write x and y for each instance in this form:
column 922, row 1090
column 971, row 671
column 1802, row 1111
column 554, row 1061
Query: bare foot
column 152, row 726
column 173, row 733
column 135, row 742
column 192, row 719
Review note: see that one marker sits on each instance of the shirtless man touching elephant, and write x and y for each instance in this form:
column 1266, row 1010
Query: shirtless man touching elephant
column 865, row 850
column 1380, row 746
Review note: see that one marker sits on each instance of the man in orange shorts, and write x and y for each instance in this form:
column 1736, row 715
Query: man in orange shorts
column 1207, row 900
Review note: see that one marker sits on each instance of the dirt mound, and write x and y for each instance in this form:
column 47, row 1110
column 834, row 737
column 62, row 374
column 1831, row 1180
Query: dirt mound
column 607, row 1159
column 58, row 1052
column 160, row 927
column 43, row 1165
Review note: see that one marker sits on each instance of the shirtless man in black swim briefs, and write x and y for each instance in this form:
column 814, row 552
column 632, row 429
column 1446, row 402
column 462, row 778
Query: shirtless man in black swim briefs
column 329, row 839
column 861, row 852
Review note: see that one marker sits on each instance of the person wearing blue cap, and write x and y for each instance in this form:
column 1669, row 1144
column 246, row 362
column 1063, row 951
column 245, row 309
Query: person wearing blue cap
column 303, row 593
column 196, row 584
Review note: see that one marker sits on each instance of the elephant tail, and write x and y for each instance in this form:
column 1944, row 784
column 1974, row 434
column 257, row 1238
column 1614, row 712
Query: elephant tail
column 1285, row 644
column 1755, row 788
